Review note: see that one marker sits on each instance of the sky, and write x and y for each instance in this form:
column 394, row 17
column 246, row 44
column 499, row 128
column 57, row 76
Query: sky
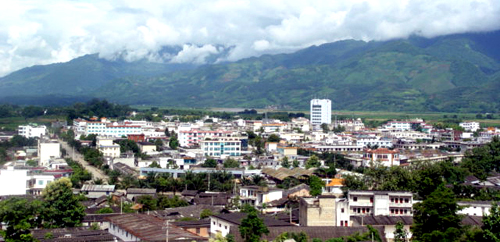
column 50, row 31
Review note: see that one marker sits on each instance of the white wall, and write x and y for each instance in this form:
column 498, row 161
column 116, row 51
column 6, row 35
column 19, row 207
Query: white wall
column 219, row 225
column 47, row 151
column 13, row 182
column 122, row 234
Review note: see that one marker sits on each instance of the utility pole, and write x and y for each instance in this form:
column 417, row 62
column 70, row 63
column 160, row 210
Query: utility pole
column 208, row 189
column 166, row 233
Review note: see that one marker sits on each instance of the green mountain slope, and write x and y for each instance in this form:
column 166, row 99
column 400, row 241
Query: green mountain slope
column 80, row 76
column 458, row 73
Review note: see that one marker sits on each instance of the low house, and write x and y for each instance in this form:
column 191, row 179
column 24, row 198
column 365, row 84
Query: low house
column 322, row 233
column 146, row 147
column 301, row 190
column 75, row 234
column 257, row 195
column 193, row 211
column 143, row 227
column 223, row 223
column 388, row 222
column 198, row 227
column 382, row 156
column 132, row 193
column 334, row 187
column 219, row 199
column 95, row 191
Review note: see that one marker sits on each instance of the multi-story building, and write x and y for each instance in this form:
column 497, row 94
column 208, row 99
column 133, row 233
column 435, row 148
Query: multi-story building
column 399, row 125
column 256, row 195
column 350, row 124
column 382, row 156
column 321, row 112
column 193, row 137
column 470, row 126
column 365, row 141
column 47, row 150
column 321, row 211
column 106, row 128
column 106, row 146
column 32, row 131
column 221, row 146
column 376, row 203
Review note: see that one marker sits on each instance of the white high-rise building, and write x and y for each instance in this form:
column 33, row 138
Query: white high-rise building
column 321, row 111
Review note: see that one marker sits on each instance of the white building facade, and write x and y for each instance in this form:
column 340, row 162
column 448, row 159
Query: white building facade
column 216, row 147
column 47, row 150
column 321, row 111
column 30, row 131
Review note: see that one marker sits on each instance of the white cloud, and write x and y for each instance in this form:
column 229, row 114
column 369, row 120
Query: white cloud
column 42, row 32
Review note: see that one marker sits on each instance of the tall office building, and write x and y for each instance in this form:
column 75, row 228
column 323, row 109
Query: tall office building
column 321, row 111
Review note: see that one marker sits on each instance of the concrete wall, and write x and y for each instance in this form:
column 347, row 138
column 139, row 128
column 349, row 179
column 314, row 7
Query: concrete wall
column 14, row 182
column 46, row 151
column 320, row 213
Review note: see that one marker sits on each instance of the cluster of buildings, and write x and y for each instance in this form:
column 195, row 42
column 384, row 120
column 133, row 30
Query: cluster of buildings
column 395, row 143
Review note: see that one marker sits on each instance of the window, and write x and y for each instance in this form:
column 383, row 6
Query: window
column 392, row 211
column 401, row 200
column 341, row 223
column 220, row 225
column 342, row 210
column 198, row 230
column 40, row 182
column 355, row 199
column 225, row 227
column 392, row 200
column 407, row 200
column 371, row 199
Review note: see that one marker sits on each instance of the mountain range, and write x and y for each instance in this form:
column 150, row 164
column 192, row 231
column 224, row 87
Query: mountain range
column 454, row 73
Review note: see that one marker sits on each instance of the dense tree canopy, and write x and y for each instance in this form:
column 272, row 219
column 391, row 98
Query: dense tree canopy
column 436, row 218
column 252, row 227
column 61, row 207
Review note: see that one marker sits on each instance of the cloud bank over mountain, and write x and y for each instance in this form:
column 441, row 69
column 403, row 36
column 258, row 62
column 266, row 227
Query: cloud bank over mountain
column 43, row 32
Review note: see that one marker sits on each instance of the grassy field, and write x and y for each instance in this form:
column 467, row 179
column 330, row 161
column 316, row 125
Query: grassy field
column 13, row 122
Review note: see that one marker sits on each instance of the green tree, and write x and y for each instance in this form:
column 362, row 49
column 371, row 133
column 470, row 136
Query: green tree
column 19, row 215
column 400, row 235
column 252, row 227
column 316, row 185
column 148, row 203
column 285, row 163
column 209, row 163
column 61, row 207
column 231, row 163
column 313, row 161
column 174, row 142
column 105, row 210
column 436, row 218
column 154, row 164
column 274, row 138
column 324, row 127
column 205, row 213
column 491, row 225
column 159, row 144
column 295, row 163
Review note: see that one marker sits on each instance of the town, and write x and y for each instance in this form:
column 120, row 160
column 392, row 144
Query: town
column 306, row 177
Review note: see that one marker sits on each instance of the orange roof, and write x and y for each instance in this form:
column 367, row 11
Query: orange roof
column 336, row 182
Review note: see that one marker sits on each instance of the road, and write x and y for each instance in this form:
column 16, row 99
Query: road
column 76, row 156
